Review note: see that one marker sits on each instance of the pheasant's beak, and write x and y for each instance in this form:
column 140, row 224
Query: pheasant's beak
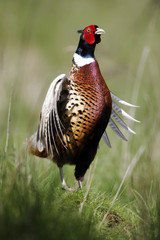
column 99, row 31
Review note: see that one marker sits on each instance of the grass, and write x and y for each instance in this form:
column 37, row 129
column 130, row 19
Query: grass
column 120, row 197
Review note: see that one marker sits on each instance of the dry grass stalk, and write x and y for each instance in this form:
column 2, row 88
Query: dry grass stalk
column 8, row 121
column 138, row 80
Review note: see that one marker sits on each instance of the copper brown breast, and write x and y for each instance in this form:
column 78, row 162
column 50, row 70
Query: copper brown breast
column 89, row 104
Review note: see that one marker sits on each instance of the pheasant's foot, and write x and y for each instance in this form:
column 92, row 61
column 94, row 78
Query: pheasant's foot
column 64, row 185
column 80, row 184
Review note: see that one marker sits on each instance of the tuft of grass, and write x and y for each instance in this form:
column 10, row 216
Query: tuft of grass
column 32, row 205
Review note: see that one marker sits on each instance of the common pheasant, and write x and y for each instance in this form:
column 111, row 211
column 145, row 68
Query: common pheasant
column 76, row 112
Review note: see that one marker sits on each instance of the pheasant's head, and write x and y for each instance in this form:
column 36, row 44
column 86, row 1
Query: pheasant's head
column 90, row 36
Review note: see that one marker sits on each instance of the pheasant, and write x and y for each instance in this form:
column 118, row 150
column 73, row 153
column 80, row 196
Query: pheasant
column 76, row 112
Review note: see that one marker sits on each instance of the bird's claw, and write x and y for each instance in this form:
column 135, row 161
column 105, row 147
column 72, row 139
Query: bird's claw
column 65, row 187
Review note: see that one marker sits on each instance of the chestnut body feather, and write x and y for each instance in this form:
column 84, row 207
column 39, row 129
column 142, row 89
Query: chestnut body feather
column 85, row 116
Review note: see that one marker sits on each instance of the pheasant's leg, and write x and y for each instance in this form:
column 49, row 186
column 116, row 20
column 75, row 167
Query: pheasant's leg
column 64, row 185
column 80, row 184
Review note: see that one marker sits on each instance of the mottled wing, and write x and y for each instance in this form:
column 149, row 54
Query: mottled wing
column 115, row 118
column 50, row 126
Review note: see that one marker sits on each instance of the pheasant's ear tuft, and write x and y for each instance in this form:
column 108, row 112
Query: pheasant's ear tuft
column 79, row 31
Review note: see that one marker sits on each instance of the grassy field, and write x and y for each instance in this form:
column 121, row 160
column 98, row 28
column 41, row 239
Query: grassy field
column 121, row 193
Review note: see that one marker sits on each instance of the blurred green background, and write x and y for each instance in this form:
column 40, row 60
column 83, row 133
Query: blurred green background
column 37, row 42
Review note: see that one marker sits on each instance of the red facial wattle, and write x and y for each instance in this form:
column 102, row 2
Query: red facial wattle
column 89, row 34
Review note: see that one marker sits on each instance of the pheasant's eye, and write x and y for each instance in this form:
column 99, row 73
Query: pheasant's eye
column 88, row 30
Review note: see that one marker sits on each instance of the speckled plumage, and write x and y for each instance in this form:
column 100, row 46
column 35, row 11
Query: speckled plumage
column 85, row 116
column 76, row 112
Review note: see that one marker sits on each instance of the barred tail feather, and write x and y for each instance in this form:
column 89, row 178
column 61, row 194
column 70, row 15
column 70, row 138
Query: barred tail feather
column 122, row 112
column 116, row 129
column 117, row 99
column 106, row 139
column 121, row 122
column 115, row 118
